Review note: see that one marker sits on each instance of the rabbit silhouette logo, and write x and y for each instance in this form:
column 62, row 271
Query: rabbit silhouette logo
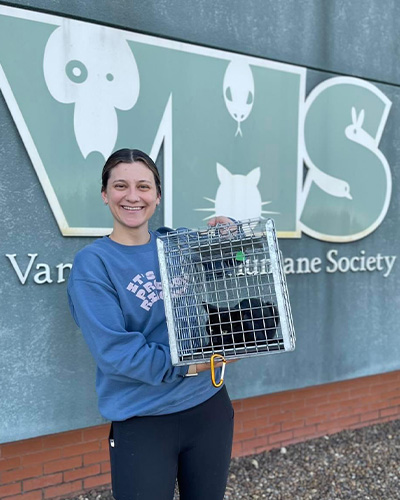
column 348, row 183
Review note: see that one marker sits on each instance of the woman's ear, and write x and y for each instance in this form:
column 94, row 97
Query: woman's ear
column 158, row 200
column 104, row 196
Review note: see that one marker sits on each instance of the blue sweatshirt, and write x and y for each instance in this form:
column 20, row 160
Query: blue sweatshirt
column 116, row 299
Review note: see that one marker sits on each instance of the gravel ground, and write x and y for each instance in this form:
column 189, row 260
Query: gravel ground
column 362, row 464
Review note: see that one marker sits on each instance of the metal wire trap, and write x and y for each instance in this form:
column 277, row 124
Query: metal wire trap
column 225, row 292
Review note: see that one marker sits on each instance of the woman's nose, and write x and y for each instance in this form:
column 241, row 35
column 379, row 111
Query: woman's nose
column 133, row 195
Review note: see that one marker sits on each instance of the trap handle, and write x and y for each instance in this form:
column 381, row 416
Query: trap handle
column 221, row 380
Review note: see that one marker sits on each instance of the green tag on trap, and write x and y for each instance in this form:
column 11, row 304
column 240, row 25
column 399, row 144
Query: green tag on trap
column 240, row 257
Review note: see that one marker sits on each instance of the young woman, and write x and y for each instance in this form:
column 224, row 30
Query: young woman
column 167, row 424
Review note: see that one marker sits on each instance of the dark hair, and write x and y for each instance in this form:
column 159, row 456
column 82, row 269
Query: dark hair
column 129, row 156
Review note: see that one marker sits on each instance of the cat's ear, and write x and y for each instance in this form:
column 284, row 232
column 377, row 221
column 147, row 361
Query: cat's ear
column 210, row 308
column 223, row 173
column 254, row 176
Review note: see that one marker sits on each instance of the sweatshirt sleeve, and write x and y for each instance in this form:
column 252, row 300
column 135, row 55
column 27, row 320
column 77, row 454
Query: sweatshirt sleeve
column 120, row 354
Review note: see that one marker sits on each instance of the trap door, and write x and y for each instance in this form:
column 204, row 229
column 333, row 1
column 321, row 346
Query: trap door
column 282, row 294
column 182, row 283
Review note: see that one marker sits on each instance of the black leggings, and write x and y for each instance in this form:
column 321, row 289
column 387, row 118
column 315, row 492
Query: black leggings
column 194, row 446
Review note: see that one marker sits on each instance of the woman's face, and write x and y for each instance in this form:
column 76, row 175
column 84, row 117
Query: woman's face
column 131, row 195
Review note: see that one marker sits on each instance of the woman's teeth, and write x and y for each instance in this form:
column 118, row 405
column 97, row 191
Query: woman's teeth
column 132, row 209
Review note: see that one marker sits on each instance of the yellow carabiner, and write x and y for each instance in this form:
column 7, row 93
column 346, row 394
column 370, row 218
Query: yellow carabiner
column 221, row 381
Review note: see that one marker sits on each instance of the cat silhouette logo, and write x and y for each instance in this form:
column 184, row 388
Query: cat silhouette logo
column 235, row 132
column 238, row 195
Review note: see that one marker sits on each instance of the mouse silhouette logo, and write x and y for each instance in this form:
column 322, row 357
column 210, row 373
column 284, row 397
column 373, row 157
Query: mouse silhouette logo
column 348, row 184
column 86, row 73
column 239, row 91
column 237, row 195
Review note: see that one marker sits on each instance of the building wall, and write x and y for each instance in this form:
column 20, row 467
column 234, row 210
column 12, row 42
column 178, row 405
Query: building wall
column 344, row 371
column 337, row 287
column 65, row 464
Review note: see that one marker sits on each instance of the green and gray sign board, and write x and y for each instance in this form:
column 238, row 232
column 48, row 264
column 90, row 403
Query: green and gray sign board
column 233, row 134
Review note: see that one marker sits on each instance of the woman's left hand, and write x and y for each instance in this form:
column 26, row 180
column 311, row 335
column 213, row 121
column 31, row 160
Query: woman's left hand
column 224, row 232
column 220, row 219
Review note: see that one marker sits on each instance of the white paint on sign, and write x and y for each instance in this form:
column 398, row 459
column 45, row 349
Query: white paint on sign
column 44, row 274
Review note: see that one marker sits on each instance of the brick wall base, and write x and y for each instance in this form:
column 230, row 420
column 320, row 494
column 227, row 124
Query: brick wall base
column 63, row 465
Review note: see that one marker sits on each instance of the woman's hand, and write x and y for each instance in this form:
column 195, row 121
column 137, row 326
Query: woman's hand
column 224, row 232
column 220, row 219
column 203, row 367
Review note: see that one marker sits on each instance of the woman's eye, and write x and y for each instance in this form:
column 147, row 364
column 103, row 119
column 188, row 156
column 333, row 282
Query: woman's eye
column 144, row 186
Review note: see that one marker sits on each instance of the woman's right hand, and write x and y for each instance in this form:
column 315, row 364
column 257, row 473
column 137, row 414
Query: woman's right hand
column 203, row 367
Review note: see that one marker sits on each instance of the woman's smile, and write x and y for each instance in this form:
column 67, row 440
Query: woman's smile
column 131, row 209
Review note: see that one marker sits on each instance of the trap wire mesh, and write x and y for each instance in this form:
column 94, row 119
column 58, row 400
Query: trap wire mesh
column 225, row 292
